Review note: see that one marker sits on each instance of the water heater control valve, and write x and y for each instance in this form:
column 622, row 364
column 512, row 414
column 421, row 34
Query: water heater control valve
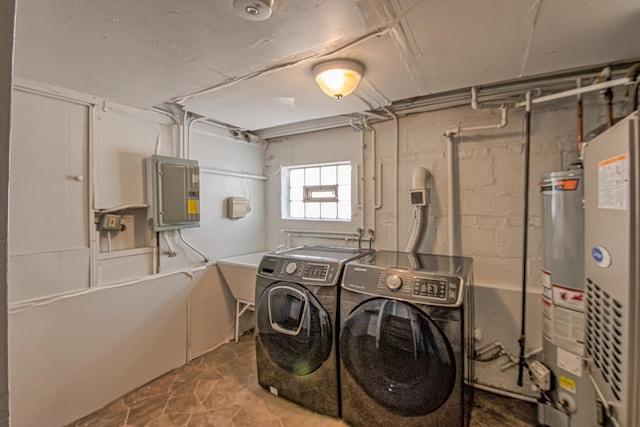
column 394, row 282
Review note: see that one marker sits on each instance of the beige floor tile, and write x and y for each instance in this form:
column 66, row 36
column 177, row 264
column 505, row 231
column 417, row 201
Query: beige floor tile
column 221, row 389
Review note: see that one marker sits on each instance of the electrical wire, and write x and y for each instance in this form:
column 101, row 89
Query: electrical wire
column 198, row 251
column 171, row 252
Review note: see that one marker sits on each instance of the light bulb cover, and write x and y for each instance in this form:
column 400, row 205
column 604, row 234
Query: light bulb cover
column 338, row 78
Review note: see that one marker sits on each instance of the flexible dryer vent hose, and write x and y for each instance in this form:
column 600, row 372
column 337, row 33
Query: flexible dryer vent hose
column 418, row 181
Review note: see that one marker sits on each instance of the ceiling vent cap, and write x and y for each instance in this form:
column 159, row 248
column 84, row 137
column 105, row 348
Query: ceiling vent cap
column 253, row 10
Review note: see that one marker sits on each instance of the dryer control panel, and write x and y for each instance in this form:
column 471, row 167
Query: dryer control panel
column 412, row 286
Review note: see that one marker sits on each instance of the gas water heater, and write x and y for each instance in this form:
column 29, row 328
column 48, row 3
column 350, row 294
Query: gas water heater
column 567, row 395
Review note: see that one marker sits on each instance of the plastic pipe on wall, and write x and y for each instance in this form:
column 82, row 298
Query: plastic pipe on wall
column 450, row 134
column 360, row 177
column 376, row 177
column 396, row 161
column 335, row 235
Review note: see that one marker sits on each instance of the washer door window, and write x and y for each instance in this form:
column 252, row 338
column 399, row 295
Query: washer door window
column 399, row 356
column 293, row 328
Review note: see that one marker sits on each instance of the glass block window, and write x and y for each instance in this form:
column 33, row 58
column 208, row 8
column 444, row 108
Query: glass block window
column 320, row 192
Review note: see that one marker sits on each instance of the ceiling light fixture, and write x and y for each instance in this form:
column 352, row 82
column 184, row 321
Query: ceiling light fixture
column 338, row 78
column 253, row 10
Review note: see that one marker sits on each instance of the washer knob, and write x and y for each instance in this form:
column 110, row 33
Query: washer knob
column 394, row 282
column 291, row 268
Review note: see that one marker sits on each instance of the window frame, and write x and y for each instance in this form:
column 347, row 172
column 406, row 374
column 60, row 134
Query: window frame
column 285, row 192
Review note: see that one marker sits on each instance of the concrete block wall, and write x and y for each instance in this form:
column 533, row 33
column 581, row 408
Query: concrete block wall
column 489, row 194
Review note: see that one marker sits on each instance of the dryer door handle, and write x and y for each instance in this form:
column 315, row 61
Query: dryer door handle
column 287, row 309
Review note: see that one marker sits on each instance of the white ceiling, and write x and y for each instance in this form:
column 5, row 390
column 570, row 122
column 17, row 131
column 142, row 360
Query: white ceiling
column 257, row 75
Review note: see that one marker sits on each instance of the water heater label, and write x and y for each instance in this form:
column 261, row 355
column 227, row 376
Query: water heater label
column 613, row 183
column 546, row 284
column 572, row 299
column 567, row 384
column 570, row 362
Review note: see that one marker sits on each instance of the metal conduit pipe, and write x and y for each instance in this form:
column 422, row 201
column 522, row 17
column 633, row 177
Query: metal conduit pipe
column 450, row 190
column 175, row 120
column 525, row 233
column 193, row 248
column 187, row 144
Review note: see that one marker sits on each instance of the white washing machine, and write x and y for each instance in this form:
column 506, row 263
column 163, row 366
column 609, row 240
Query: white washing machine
column 404, row 340
column 296, row 305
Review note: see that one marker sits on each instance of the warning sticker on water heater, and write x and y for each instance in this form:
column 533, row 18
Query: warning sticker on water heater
column 613, row 183
column 569, row 298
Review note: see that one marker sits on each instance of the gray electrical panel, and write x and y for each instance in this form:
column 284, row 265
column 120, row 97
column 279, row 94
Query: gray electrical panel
column 173, row 192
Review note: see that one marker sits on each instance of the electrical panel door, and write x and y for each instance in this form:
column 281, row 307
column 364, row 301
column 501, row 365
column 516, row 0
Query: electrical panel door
column 173, row 192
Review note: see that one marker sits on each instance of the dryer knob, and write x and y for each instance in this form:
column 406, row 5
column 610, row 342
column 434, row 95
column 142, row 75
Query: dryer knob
column 394, row 282
column 291, row 268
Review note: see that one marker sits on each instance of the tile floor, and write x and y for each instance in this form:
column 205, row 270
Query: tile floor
column 221, row 389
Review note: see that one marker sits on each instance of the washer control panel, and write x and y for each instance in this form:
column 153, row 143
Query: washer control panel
column 299, row 271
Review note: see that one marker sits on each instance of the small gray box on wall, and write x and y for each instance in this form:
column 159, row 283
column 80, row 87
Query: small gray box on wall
column 173, row 192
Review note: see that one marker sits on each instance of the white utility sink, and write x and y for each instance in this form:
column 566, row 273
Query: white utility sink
column 240, row 274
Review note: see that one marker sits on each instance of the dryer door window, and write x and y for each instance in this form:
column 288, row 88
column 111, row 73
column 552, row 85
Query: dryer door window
column 399, row 356
column 293, row 328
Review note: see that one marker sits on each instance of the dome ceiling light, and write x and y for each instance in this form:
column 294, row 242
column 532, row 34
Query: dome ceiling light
column 253, row 10
column 338, row 78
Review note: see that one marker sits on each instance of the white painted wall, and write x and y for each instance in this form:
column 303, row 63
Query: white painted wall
column 7, row 13
column 70, row 356
column 49, row 251
column 75, row 344
column 490, row 200
column 318, row 147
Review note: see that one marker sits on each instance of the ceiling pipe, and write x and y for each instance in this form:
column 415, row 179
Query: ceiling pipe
column 581, row 90
column 475, row 104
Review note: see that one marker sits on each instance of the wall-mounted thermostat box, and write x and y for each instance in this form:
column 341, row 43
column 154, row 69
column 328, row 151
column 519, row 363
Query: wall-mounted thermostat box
column 173, row 192
column 238, row 207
